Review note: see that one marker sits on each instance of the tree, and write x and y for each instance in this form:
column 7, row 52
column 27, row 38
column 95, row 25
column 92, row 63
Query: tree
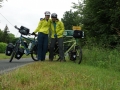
column 11, row 37
column 70, row 19
column 5, row 34
column 1, row 34
column 1, row 2
column 100, row 19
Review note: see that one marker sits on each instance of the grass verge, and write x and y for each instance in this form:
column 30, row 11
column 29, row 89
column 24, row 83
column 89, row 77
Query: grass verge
column 60, row 76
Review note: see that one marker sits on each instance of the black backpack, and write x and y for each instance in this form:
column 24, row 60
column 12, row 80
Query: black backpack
column 78, row 34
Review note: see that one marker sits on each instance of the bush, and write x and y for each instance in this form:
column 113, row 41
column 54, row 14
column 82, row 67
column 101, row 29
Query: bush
column 2, row 47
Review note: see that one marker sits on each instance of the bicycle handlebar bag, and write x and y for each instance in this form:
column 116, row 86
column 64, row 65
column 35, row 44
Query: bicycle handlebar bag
column 23, row 30
column 78, row 34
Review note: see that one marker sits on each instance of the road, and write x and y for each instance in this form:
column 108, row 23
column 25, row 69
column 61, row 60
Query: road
column 6, row 66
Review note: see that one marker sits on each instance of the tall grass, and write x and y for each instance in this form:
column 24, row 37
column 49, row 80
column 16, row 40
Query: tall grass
column 102, row 57
column 99, row 70
column 60, row 76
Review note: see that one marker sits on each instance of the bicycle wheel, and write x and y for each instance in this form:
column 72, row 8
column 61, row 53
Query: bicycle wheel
column 14, row 52
column 34, row 55
column 78, row 54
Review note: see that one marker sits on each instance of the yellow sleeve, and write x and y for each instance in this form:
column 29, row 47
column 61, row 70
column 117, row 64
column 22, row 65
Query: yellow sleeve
column 38, row 27
column 62, row 29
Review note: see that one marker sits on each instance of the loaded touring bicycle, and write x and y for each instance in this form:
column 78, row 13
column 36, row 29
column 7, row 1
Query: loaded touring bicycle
column 21, row 47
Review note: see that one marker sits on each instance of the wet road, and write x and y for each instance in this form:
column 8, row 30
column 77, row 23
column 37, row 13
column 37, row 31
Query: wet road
column 6, row 66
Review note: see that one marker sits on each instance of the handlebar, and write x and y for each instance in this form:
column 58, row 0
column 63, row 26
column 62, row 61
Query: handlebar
column 32, row 34
column 17, row 27
column 28, row 33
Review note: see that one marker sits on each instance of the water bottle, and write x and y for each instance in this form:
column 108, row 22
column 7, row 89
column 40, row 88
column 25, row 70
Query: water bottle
column 25, row 51
column 30, row 45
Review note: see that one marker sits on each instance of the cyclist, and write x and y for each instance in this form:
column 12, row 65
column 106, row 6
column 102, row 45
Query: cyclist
column 57, row 29
column 43, row 30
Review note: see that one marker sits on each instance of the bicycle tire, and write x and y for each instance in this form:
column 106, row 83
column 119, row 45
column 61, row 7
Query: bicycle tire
column 79, row 55
column 14, row 52
column 34, row 55
column 12, row 56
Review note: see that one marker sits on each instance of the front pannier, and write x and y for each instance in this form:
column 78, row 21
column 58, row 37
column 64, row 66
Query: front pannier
column 9, row 49
column 19, row 53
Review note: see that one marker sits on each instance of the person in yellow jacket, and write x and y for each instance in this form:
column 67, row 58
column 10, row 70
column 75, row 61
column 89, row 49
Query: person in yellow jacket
column 57, row 29
column 43, row 30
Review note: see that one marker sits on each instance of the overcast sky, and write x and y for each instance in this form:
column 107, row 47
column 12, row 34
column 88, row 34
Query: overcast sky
column 28, row 12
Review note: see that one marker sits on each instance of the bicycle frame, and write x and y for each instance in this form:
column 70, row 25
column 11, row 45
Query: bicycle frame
column 74, row 41
column 73, row 45
column 18, row 51
column 22, row 43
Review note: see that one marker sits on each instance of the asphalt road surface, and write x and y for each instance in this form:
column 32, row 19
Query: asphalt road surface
column 6, row 66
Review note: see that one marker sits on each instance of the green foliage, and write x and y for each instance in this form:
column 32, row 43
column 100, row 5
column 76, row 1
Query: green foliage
column 70, row 19
column 12, row 37
column 5, row 36
column 1, row 35
column 101, row 57
column 60, row 76
column 101, row 20
column 2, row 47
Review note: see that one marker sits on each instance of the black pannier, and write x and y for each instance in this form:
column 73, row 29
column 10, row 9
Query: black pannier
column 23, row 30
column 9, row 49
column 78, row 34
column 19, row 53
column 72, row 55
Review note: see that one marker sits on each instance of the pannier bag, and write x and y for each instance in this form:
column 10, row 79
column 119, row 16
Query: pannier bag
column 78, row 34
column 72, row 55
column 9, row 49
column 24, row 31
column 19, row 53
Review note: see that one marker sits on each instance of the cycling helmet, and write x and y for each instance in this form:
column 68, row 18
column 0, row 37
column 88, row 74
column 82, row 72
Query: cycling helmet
column 53, row 15
column 41, row 19
column 47, row 13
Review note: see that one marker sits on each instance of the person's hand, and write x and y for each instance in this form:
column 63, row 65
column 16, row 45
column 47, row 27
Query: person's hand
column 33, row 33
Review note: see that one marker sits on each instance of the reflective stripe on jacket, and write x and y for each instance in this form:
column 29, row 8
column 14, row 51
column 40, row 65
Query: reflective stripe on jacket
column 59, row 29
column 43, row 26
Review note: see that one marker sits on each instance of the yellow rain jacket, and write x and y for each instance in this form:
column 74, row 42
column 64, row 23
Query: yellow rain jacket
column 43, row 26
column 58, row 30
